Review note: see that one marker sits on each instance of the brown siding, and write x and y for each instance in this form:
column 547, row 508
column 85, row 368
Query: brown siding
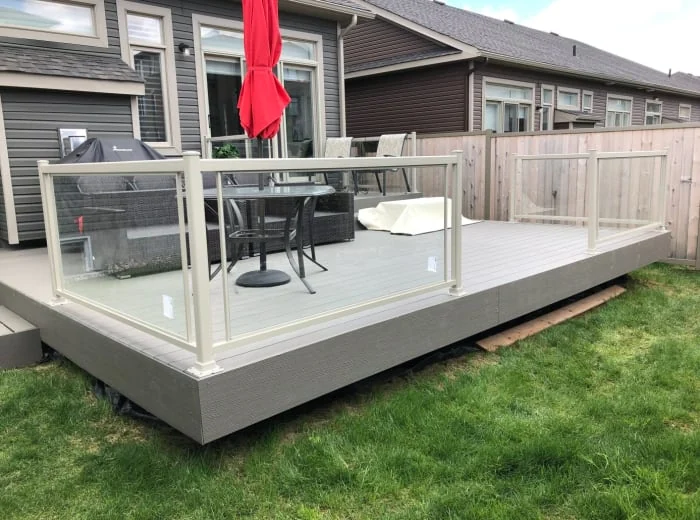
column 600, row 93
column 424, row 100
column 376, row 40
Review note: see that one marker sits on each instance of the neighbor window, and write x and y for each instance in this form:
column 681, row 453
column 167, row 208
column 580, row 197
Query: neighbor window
column 568, row 99
column 508, row 107
column 78, row 21
column 619, row 111
column 684, row 112
column 652, row 115
column 587, row 102
column 223, row 60
column 547, row 114
column 146, row 33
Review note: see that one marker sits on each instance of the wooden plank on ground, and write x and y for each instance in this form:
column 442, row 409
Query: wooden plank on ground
column 524, row 330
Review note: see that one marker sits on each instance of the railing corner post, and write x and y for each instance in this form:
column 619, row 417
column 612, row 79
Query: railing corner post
column 458, row 288
column 197, row 232
column 593, row 175
column 53, row 239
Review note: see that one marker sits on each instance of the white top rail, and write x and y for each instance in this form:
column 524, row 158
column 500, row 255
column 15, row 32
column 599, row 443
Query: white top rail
column 324, row 164
column 553, row 156
column 111, row 168
column 632, row 155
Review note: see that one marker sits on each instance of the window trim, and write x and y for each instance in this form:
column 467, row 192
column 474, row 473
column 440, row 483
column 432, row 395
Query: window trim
column 567, row 90
column 690, row 112
column 98, row 40
column 499, row 81
column 550, row 105
column 660, row 113
column 173, row 146
column 199, row 21
column 585, row 93
column 607, row 111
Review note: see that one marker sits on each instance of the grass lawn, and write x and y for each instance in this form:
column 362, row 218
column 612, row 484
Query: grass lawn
column 595, row 419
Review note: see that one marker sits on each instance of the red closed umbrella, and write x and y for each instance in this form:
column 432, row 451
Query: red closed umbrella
column 263, row 98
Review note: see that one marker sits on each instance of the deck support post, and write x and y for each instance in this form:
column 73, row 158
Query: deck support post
column 592, row 171
column 414, row 152
column 204, row 340
column 458, row 288
column 53, row 241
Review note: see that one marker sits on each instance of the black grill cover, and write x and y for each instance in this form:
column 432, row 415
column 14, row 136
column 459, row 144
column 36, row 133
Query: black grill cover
column 111, row 149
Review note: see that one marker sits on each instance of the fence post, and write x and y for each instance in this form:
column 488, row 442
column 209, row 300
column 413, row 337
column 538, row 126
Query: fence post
column 592, row 173
column 663, row 196
column 457, row 289
column 205, row 363
column 53, row 240
column 487, row 176
column 517, row 174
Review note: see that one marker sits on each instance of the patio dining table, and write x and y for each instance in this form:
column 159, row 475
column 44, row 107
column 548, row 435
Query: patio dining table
column 301, row 196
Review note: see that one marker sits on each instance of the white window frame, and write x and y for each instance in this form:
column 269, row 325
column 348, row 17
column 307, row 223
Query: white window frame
column 618, row 96
column 690, row 112
column 316, row 65
column 173, row 143
column 551, row 106
column 647, row 113
column 566, row 90
column 98, row 40
column 498, row 81
column 585, row 93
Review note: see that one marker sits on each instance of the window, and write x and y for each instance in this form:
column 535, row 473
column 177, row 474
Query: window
column 587, row 102
column 508, row 106
column 222, row 61
column 547, row 114
column 684, row 112
column 147, row 44
column 653, row 112
column 568, row 99
column 78, row 22
column 619, row 111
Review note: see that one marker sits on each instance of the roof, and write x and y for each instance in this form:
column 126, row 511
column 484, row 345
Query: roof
column 406, row 58
column 685, row 80
column 49, row 62
column 499, row 39
column 348, row 7
column 571, row 116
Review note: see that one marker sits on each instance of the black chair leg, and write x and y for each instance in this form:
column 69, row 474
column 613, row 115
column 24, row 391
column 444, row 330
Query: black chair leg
column 405, row 178
column 379, row 183
column 355, row 183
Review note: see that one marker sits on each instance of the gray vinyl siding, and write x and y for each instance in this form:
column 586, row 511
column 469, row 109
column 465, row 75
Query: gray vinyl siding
column 600, row 93
column 32, row 120
column 112, row 38
column 185, row 66
column 425, row 100
column 376, row 40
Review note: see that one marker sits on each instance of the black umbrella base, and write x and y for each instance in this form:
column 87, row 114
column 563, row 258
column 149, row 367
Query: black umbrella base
column 270, row 278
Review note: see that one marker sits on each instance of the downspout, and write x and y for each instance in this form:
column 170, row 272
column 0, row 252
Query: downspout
column 473, row 66
column 341, row 72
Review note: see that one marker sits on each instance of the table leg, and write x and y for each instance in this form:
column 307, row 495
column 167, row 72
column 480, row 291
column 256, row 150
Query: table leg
column 298, row 209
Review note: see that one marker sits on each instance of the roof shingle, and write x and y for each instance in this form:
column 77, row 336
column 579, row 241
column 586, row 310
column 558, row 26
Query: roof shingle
column 516, row 42
column 49, row 62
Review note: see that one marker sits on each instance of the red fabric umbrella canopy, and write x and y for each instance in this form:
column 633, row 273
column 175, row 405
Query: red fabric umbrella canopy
column 263, row 98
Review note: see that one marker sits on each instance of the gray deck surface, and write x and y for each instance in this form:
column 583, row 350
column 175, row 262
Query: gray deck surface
column 509, row 270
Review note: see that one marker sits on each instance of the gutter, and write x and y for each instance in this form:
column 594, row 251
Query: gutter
column 342, row 32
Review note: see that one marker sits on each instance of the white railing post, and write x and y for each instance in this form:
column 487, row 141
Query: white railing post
column 53, row 241
column 197, row 230
column 414, row 153
column 663, row 196
column 592, row 172
column 457, row 289
column 517, row 174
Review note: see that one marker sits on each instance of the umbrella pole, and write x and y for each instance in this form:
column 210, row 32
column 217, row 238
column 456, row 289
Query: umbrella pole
column 263, row 277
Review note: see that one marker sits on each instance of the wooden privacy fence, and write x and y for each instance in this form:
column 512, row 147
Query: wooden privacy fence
column 489, row 169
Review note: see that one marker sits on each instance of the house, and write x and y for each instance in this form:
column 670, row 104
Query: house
column 425, row 66
column 167, row 72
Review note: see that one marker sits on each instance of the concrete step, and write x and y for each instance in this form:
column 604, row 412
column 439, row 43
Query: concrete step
column 20, row 342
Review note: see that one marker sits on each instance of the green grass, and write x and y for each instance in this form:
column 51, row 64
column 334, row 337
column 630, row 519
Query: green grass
column 594, row 419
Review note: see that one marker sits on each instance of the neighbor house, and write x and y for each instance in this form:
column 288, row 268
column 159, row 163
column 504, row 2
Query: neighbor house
column 167, row 72
column 425, row 66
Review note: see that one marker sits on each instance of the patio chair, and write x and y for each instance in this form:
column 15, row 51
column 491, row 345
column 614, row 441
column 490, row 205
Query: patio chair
column 390, row 145
column 339, row 147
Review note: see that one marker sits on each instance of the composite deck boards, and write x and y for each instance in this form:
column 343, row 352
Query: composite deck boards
column 509, row 270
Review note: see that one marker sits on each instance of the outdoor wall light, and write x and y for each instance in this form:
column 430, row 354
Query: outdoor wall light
column 185, row 49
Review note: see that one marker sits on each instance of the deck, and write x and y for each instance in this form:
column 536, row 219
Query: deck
column 509, row 270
